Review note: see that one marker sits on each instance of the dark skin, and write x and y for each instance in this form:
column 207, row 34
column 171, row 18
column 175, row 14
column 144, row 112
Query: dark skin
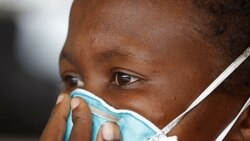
column 167, row 63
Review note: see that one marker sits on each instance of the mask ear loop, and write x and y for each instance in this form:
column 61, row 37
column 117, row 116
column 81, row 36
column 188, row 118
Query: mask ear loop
column 206, row 92
column 226, row 130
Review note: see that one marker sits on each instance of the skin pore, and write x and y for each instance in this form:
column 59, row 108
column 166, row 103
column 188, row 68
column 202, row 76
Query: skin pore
column 147, row 57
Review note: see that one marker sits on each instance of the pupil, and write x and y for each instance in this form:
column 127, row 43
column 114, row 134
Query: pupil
column 72, row 81
column 122, row 78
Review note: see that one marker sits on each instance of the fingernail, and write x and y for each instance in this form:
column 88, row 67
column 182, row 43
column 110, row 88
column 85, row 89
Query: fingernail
column 60, row 99
column 110, row 131
column 74, row 103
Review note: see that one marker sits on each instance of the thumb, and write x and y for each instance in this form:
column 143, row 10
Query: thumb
column 109, row 132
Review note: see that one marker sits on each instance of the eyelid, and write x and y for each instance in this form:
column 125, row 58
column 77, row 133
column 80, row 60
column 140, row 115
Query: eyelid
column 71, row 75
column 133, row 85
column 131, row 73
column 64, row 74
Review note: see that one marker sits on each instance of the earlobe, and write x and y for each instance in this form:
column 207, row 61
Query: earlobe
column 245, row 124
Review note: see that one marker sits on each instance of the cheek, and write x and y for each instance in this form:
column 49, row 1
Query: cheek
column 152, row 108
column 169, row 96
column 146, row 103
column 158, row 113
column 160, row 109
column 150, row 104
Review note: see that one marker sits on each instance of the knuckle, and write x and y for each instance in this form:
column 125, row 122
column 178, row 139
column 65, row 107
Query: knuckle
column 58, row 115
column 80, row 117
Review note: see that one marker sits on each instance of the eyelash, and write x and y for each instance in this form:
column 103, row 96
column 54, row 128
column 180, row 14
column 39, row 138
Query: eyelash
column 128, row 79
column 72, row 80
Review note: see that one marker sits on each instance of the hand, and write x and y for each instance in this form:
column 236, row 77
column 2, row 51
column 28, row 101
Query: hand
column 81, row 116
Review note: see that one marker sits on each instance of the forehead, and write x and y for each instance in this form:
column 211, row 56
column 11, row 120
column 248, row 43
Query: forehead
column 113, row 15
column 154, row 24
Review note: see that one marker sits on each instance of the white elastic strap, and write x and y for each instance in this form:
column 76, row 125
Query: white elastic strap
column 163, row 137
column 102, row 114
column 174, row 138
column 209, row 89
column 226, row 130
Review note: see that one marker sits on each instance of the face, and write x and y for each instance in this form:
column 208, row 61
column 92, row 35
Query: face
column 148, row 58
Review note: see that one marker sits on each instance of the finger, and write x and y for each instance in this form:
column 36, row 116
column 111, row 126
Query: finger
column 57, row 120
column 81, row 117
column 109, row 132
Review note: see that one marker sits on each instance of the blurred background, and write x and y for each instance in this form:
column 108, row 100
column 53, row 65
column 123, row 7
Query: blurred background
column 32, row 33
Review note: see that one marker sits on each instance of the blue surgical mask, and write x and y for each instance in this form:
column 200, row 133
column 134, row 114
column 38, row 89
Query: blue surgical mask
column 133, row 126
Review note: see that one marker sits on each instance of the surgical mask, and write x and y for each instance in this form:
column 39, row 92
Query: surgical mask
column 133, row 126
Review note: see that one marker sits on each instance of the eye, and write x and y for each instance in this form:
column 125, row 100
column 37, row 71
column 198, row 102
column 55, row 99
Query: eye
column 122, row 79
column 72, row 80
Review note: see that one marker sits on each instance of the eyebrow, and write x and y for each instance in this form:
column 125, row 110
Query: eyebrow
column 108, row 55
column 67, row 56
column 112, row 53
column 120, row 52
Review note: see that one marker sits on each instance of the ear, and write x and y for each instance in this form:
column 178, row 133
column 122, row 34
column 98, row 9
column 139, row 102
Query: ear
column 245, row 124
column 241, row 129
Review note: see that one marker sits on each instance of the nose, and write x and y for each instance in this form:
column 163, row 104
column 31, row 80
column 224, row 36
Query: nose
column 90, row 88
column 95, row 85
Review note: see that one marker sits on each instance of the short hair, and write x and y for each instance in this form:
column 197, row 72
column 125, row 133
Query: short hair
column 226, row 24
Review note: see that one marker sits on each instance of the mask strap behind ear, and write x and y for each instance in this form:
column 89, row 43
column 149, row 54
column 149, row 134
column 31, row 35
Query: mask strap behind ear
column 208, row 90
column 226, row 130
